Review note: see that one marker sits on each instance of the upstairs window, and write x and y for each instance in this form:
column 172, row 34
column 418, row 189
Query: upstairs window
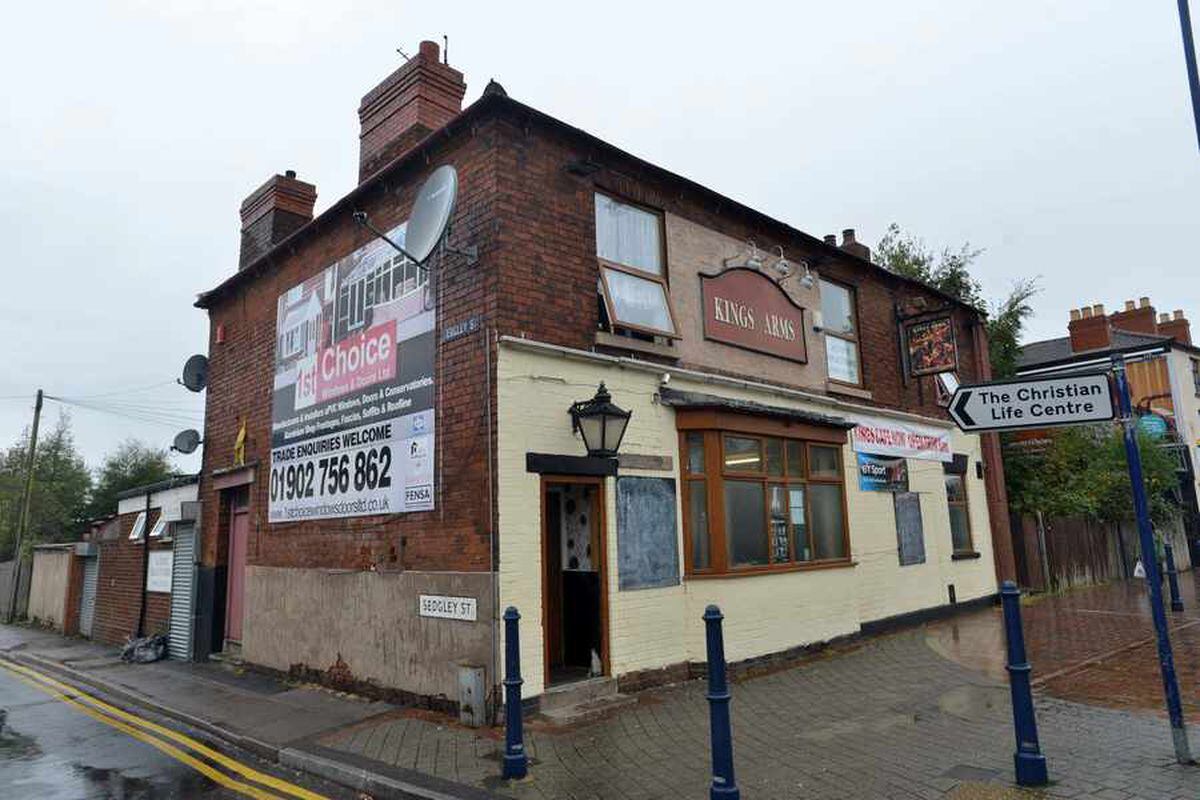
column 139, row 527
column 1196, row 375
column 840, row 320
column 629, row 246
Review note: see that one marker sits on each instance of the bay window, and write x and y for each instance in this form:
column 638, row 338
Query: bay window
column 840, row 320
column 757, row 501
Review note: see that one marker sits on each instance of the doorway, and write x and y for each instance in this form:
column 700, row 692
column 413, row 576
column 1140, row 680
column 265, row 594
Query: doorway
column 235, row 587
column 575, row 603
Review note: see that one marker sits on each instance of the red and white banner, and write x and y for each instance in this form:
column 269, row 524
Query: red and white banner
column 893, row 437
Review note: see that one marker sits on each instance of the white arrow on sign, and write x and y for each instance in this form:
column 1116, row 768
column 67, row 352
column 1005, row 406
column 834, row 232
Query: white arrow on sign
column 1033, row 403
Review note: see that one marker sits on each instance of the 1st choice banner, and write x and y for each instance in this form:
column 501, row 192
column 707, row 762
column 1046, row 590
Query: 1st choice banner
column 352, row 413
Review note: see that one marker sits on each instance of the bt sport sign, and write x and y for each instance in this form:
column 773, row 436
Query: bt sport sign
column 352, row 425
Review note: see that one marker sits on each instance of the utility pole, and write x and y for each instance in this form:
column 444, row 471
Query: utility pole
column 141, row 628
column 26, row 498
column 1189, row 55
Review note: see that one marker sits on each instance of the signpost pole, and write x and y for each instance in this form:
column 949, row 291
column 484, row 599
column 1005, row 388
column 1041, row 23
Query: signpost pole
column 1141, row 508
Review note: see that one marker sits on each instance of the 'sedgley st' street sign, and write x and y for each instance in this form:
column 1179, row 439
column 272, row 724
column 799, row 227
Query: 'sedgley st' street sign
column 1033, row 403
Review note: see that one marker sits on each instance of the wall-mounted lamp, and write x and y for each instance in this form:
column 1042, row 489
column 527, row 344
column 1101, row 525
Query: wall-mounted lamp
column 786, row 270
column 601, row 423
column 748, row 258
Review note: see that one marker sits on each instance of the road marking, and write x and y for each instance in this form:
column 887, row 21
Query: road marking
column 117, row 718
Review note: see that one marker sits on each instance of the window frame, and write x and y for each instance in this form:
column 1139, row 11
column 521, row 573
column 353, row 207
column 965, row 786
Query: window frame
column 1196, row 375
column 855, row 340
column 965, row 504
column 137, row 532
column 635, row 272
column 715, row 475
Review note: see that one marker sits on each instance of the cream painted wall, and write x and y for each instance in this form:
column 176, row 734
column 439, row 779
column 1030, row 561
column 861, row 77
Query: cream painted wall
column 48, row 588
column 1187, row 403
column 765, row 613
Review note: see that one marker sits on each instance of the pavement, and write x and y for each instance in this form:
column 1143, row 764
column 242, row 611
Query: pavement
column 921, row 713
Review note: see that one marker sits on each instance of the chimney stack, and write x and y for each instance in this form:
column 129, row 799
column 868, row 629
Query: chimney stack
column 1089, row 328
column 411, row 103
column 831, row 239
column 1139, row 319
column 1177, row 327
column 272, row 213
column 853, row 246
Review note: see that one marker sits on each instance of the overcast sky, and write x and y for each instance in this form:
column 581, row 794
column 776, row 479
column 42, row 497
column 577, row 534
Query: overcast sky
column 1056, row 135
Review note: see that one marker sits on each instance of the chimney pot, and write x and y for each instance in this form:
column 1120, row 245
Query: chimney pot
column 847, row 236
column 1086, row 311
column 291, row 173
column 1143, row 302
column 429, row 49
column 1098, row 309
column 1164, row 317
column 1129, row 306
column 1178, row 313
column 1075, row 315
column 831, row 238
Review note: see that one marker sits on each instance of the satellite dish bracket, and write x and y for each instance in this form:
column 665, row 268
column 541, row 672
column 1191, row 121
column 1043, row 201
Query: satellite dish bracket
column 362, row 219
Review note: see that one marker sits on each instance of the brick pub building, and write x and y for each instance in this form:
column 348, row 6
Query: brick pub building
column 777, row 382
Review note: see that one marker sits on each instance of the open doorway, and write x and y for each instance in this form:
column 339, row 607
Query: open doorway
column 574, row 602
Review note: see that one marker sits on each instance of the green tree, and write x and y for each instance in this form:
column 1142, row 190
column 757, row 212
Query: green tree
column 1082, row 472
column 131, row 465
column 949, row 271
column 61, row 488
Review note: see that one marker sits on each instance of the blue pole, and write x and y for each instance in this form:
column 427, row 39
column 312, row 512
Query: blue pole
column 1172, row 575
column 516, row 763
column 724, row 786
column 1141, row 508
column 1028, row 760
column 1189, row 56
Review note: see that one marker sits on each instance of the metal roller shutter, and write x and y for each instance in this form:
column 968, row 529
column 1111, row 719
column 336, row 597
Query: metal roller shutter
column 87, row 599
column 183, row 593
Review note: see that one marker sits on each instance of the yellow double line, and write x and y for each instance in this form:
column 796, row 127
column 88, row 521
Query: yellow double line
column 161, row 739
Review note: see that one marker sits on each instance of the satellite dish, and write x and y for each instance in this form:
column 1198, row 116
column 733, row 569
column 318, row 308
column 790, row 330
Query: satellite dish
column 186, row 441
column 195, row 373
column 431, row 213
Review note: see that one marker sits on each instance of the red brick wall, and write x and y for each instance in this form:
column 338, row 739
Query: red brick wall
column 119, row 589
column 549, row 269
column 456, row 535
column 536, row 277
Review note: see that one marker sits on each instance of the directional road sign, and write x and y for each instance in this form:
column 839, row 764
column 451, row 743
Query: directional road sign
column 1033, row 402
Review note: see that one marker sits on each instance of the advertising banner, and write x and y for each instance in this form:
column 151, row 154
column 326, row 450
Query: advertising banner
column 882, row 473
column 931, row 346
column 893, row 437
column 352, row 411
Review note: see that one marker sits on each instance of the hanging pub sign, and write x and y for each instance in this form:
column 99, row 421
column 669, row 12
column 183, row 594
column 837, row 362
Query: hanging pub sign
column 882, row 473
column 744, row 308
column 352, row 420
column 931, row 346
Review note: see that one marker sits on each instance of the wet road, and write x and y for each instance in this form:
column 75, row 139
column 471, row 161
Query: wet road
column 52, row 748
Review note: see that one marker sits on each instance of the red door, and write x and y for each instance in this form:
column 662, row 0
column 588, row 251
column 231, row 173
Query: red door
column 239, row 532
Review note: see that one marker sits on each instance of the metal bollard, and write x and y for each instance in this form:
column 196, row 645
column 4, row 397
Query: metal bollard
column 1172, row 576
column 724, row 786
column 1028, row 759
column 516, row 763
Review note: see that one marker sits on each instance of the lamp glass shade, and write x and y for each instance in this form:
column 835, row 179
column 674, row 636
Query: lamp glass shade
column 601, row 423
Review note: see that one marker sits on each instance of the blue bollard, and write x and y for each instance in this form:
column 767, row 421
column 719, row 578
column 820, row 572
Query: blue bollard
column 1028, row 759
column 1172, row 576
column 516, row 763
column 724, row 787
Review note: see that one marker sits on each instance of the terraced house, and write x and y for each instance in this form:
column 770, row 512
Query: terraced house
column 395, row 453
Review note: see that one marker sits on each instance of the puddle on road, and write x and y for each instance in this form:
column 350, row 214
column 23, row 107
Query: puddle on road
column 15, row 745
